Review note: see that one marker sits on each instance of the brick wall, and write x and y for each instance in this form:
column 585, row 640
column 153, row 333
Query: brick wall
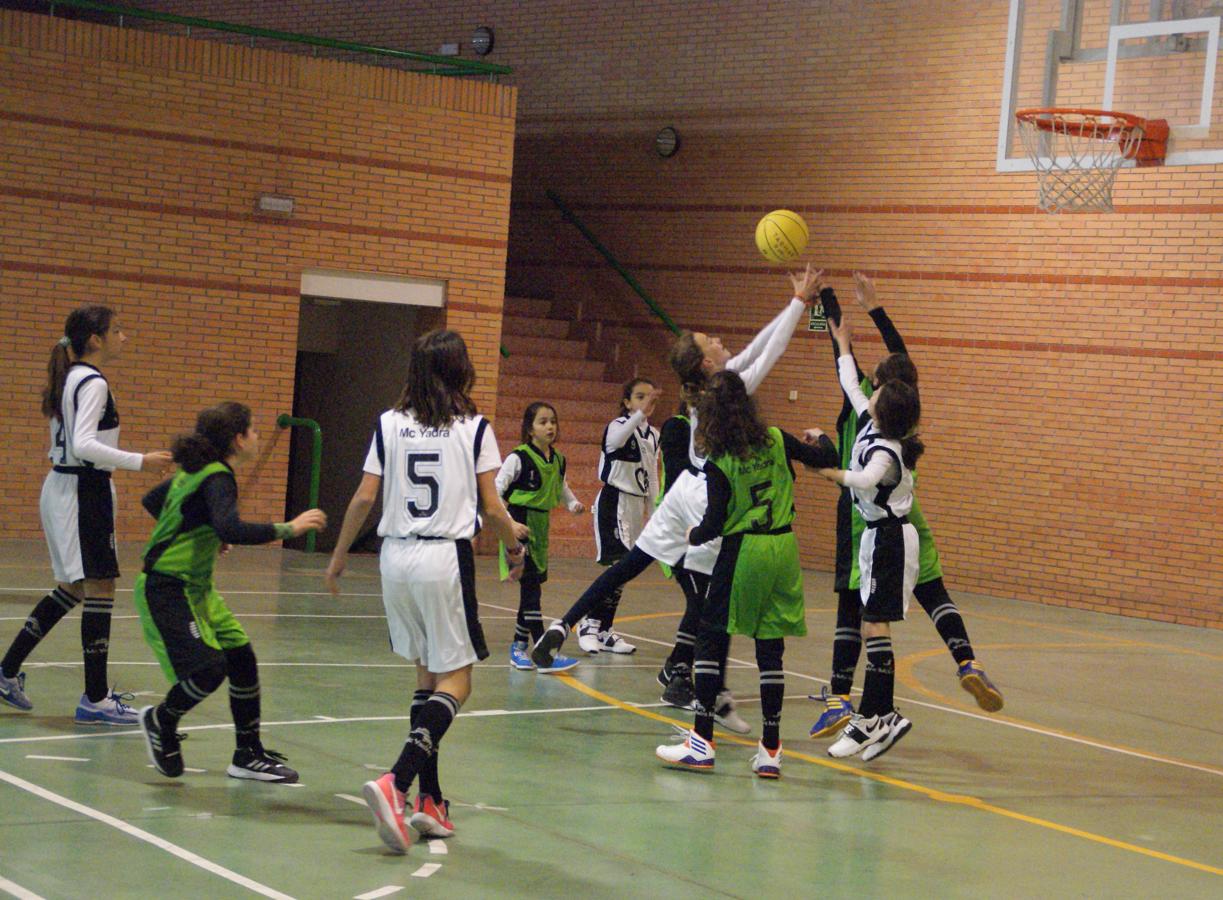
column 130, row 168
column 1071, row 365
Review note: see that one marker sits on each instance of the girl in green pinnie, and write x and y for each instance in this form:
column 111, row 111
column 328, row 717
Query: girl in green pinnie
column 532, row 481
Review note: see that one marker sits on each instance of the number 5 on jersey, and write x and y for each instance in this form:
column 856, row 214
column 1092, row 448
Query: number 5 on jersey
column 422, row 468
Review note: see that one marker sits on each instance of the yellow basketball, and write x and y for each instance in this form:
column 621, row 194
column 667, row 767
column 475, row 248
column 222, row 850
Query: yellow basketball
column 781, row 235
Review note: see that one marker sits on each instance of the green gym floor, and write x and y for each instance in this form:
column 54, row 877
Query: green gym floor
column 1102, row 776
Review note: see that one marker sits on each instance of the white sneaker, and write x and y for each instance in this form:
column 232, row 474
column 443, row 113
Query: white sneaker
column 859, row 734
column 766, row 764
column 614, row 643
column 898, row 727
column 110, row 710
column 694, row 753
column 588, row 636
column 724, row 713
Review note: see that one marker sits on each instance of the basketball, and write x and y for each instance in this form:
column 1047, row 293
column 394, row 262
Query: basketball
column 781, row 235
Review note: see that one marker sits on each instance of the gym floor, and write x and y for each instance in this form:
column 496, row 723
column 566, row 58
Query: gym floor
column 1101, row 777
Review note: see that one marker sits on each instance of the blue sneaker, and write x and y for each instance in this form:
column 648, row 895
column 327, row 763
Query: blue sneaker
column 559, row 664
column 12, row 692
column 519, row 658
column 835, row 717
column 974, row 680
column 111, row 710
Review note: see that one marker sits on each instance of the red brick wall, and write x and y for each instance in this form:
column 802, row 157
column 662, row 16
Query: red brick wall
column 129, row 174
column 1071, row 365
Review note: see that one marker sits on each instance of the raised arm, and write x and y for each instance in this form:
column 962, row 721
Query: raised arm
column 618, row 433
column 673, row 443
column 864, row 290
column 759, row 357
column 847, row 367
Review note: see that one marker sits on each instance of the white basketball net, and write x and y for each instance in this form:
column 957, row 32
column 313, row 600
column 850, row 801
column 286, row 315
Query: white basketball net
column 1077, row 157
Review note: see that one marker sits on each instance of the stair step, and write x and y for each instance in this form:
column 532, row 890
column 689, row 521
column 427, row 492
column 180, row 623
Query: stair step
column 585, row 390
column 533, row 326
column 527, row 306
column 556, row 370
column 544, row 349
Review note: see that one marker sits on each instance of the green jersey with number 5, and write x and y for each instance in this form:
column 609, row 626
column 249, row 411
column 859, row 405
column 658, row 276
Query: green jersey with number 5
column 762, row 489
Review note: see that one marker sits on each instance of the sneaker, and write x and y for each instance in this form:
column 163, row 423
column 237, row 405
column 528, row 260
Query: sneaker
column 767, row 764
column 559, row 664
column 431, row 818
column 833, row 719
column 261, row 765
column 898, row 727
column 387, row 804
column 165, row 751
column 12, row 692
column 678, row 690
column 519, row 658
column 545, row 649
column 110, row 710
column 611, row 642
column 724, row 713
column 588, row 636
column 694, row 753
column 974, row 680
column 859, row 734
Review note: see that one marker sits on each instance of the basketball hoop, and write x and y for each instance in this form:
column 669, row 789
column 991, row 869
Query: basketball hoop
column 1077, row 153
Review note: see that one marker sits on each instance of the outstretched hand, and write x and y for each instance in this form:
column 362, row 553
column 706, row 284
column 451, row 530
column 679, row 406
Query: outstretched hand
column 864, row 291
column 808, row 284
column 842, row 333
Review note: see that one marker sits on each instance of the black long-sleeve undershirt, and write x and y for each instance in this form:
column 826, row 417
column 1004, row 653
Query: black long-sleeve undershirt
column 215, row 503
column 673, row 443
column 891, row 339
column 822, row 455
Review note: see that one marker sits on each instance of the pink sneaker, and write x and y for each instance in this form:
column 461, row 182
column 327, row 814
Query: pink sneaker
column 387, row 804
column 430, row 818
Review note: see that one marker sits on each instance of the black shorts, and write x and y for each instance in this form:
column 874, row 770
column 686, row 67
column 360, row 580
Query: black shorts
column 888, row 560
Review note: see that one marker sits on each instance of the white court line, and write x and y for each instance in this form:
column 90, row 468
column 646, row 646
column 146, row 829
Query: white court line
column 43, row 590
column 351, row 799
column 59, row 758
column 11, row 887
column 426, row 870
column 185, row 768
column 380, row 892
column 142, row 835
column 437, row 846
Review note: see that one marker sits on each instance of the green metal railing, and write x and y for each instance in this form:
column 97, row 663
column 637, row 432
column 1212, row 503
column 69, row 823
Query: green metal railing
column 624, row 273
column 316, row 461
column 437, row 65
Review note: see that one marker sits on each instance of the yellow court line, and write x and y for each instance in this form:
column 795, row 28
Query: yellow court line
column 620, row 620
column 907, row 676
column 931, row 793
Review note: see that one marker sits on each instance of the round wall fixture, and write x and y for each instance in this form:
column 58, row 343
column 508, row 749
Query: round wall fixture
column 482, row 40
column 666, row 142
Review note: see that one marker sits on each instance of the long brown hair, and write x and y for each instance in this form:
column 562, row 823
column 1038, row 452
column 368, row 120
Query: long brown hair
column 440, row 379
column 898, row 413
column 687, row 360
column 213, row 438
column 626, row 393
column 82, row 324
column 727, row 421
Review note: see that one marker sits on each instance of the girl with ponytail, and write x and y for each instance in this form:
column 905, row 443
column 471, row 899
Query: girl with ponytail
column 78, row 510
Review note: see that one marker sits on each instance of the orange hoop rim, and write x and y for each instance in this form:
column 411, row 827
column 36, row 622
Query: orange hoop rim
column 1047, row 118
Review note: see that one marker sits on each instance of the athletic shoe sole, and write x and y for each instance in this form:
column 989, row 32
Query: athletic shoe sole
column 681, row 764
column 429, row 826
column 14, row 704
column 876, row 750
column 103, row 720
column 768, row 772
column 270, row 777
column 556, row 669
column 987, row 696
column 832, row 728
column 384, row 818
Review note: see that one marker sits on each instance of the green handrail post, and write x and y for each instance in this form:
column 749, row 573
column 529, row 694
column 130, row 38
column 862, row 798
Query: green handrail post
column 316, row 461
column 439, row 65
column 613, row 262
column 505, row 352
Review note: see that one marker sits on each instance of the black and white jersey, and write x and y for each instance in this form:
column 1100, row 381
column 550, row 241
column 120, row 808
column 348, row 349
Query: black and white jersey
column 429, row 474
column 632, row 465
column 892, row 497
column 85, row 434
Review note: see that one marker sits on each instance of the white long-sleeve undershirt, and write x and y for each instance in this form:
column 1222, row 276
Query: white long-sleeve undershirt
column 879, row 469
column 90, row 407
column 619, row 432
column 511, row 468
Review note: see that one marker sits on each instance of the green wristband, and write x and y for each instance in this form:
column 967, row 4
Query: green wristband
column 283, row 530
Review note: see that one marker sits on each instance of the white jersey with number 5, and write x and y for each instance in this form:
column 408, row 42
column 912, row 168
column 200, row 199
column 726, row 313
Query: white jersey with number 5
column 429, row 474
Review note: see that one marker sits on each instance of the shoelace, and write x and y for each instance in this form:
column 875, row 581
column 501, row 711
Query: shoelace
column 274, row 756
column 122, row 700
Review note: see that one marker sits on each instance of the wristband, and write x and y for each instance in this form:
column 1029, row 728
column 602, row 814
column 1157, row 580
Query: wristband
column 283, row 530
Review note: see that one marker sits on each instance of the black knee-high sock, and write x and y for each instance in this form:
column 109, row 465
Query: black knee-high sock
column 428, row 772
column 45, row 615
column 95, row 642
column 607, row 612
column 188, row 694
column 636, row 562
column 847, row 642
column 244, row 703
column 772, row 688
column 432, row 721
column 530, row 622
column 877, row 692
column 693, row 585
column 938, row 605
column 707, row 676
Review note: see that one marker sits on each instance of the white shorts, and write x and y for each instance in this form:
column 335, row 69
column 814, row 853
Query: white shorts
column 618, row 520
column 665, row 536
column 429, row 591
column 888, row 560
column 78, row 518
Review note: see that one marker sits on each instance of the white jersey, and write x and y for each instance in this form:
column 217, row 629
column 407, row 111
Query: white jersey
column 665, row 536
column 630, row 466
column 429, row 475
column 85, row 434
column 883, row 501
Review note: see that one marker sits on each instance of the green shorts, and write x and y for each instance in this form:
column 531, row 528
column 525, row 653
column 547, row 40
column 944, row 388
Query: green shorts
column 187, row 627
column 538, row 521
column 765, row 585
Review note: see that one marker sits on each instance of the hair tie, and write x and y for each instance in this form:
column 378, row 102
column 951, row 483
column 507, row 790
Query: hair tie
column 65, row 341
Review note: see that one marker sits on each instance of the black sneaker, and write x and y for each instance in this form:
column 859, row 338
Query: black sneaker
column 679, row 691
column 665, row 673
column 543, row 654
column 164, row 748
column 261, row 765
